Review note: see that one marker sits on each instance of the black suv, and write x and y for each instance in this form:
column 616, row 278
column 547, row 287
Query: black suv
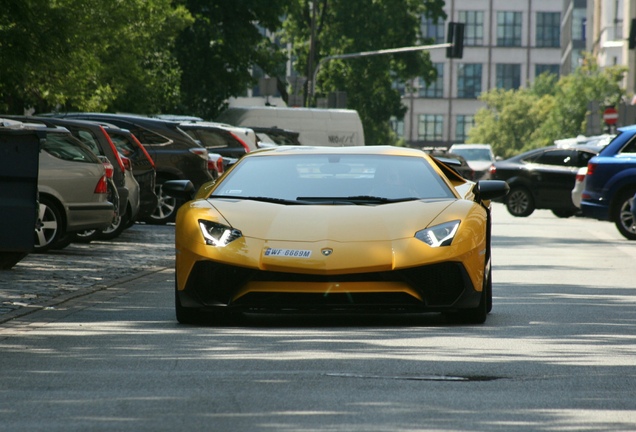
column 177, row 156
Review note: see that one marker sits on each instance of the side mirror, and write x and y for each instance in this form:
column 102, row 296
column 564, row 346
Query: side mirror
column 181, row 189
column 492, row 189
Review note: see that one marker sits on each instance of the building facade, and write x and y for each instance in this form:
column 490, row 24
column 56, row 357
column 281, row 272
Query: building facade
column 506, row 45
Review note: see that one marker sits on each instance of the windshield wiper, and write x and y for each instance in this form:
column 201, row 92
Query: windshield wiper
column 259, row 198
column 356, row 199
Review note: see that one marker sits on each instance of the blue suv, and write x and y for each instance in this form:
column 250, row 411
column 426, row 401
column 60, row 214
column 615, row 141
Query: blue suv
column 610, row 184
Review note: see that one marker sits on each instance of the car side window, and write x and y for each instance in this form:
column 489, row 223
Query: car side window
column 68, row 148
column 630, row 147
column 147, row 137
column 560, row 157
column 87, row 138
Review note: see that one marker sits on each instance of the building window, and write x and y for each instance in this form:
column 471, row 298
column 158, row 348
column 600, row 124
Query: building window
column 543, row 68
column 548, row 29
column 430, row 127
column 436, row 88
column 469, row 80
column 579, row 22
column 474, row 27
column 397, row 126
column 508, row 76
column 464, row 124
column 433, row 30
column 509, row 29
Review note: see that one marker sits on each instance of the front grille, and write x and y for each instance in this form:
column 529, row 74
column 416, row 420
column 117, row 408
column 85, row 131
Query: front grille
column 439, row 285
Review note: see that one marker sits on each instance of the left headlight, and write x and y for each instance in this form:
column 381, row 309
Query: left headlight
column 439, row 235
column 217, row 234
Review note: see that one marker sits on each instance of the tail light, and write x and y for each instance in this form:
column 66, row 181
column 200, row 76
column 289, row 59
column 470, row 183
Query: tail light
column 200, row 151
column 114, row 149
column 143, row 149
column 580, row 175
column 492, row 170
column 590, row 168
column 102, row 186
column 219, row 165
column 126, row 162
column 108, row 167
column 243, row 143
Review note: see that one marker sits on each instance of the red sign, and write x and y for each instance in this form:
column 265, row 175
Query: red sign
column 610, row 116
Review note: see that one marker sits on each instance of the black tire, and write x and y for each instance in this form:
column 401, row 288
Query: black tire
column 167, row 206
column 520, row 202
column 563, row 213
column 85, row 236
column 9, row 259
column 488, row 287
column 119, row 224
column 623, row 217
column 49, row 227
column 185, row 315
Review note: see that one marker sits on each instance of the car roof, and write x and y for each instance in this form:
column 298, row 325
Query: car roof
column 481, row 146
column 360, row 150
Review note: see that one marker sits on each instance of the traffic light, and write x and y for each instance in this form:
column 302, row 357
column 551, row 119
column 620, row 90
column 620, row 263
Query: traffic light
column 632, row 35
column 455, row 36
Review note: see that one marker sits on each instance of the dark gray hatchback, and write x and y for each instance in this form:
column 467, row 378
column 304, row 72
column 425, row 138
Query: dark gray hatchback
column 176, row 155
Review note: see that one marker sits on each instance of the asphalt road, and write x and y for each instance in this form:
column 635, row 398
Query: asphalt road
column 557, row 353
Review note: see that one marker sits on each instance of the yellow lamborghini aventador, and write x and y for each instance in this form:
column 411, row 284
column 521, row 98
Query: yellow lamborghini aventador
column 335, row 229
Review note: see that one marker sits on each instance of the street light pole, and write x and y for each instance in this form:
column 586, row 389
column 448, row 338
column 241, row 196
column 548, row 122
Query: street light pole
column 372, row 53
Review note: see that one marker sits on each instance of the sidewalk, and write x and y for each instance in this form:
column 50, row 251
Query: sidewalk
column 43, row 280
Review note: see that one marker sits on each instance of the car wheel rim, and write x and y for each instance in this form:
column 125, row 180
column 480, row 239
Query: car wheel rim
column 518, row 202
column 113, row 226
column 627, row 218
column 166, row 205
column 46, row 226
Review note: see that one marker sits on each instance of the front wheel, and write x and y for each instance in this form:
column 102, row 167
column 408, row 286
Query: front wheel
column 166, row 209
column 520, row 202
column 623, row 216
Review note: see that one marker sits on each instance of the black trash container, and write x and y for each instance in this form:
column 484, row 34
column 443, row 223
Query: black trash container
column 19, row 160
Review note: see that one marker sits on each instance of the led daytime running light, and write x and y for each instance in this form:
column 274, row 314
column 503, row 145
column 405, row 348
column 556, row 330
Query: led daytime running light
column 439, row 235
column 216, row 234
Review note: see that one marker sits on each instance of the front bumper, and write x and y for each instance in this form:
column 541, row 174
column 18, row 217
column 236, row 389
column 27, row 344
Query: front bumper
column 429, row 288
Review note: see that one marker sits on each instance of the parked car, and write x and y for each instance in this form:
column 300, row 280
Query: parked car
column 543, row 179
column 598, row 141
column 455, row 161
column 322, row 240
column 96, row 138
column 142, row 165
column 610, row 183
column 175, row 153
column 480, row 158
column 228, row 141
column 278, row 136
column 72, row 188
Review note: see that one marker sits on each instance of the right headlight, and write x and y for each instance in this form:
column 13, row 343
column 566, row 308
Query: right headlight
column 439, row 235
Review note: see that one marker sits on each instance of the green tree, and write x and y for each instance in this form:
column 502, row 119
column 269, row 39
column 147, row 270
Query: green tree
column 351, row 26
column 518, row 120
column 222, row 47
column 89, row 54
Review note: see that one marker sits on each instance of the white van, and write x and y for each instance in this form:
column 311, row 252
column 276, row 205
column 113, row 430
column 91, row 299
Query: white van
column 317, row 126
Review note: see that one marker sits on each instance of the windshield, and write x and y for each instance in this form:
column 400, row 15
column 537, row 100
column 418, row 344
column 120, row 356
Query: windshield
column 313, row 177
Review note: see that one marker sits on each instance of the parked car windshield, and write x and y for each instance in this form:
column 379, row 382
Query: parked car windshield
column 64, row 146
column 292, row 177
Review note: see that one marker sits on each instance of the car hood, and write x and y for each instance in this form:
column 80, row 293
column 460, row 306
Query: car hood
column 344, row 223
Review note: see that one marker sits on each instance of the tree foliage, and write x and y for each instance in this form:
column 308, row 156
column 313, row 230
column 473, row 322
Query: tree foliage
column 518, row 120
column 89, row 54
column 352, row 26
column 220, row 49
